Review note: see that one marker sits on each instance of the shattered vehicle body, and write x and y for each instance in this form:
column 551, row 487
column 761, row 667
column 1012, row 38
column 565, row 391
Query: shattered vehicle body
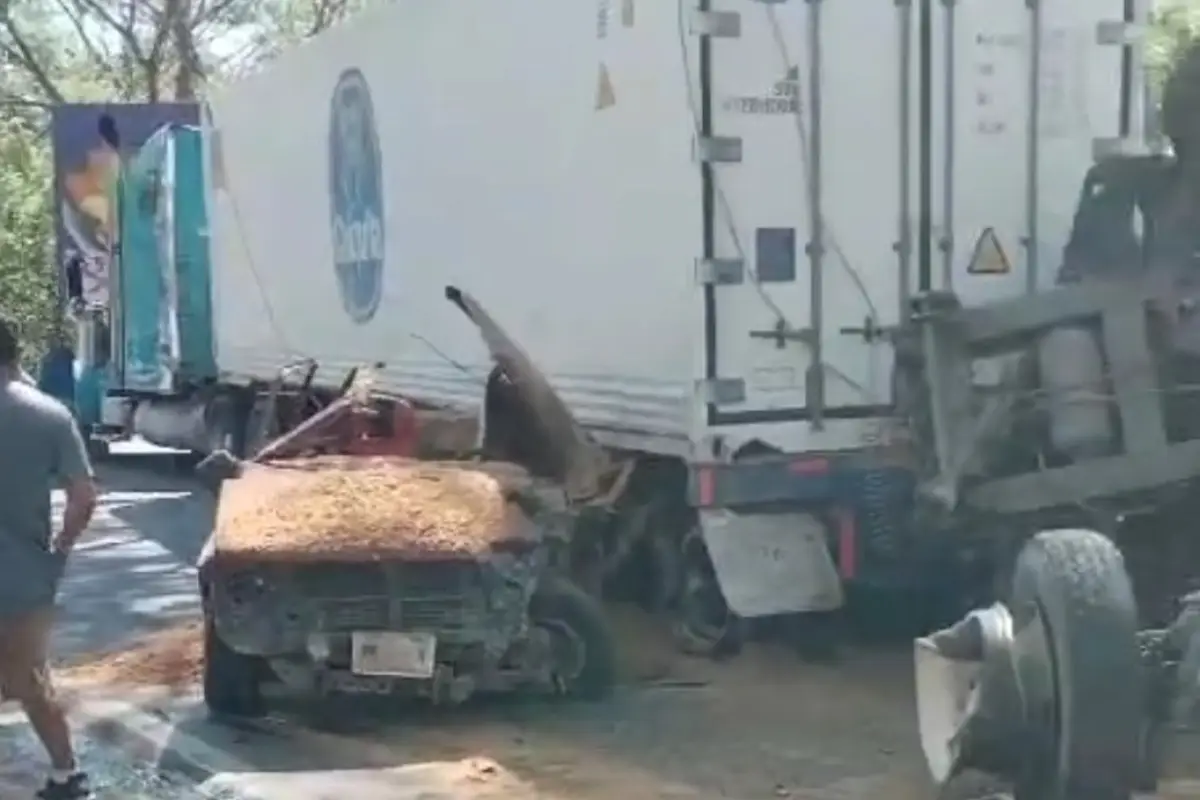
column 448, row 588
column 1075, row 478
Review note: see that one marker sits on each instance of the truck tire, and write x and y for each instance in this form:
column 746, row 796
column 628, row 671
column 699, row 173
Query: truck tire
column 231, row 681
column 228, row 418
column 1073, row 582
column 705, row 625
column 585, row 649
column 98, row 450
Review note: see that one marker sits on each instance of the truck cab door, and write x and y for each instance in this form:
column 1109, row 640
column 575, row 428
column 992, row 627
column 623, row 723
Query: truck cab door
column 148, row 331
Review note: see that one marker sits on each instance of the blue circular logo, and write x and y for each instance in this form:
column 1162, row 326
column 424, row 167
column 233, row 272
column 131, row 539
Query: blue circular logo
column 356, row 197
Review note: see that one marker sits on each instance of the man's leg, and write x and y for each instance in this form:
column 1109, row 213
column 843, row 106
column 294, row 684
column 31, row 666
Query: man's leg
column 25, row 677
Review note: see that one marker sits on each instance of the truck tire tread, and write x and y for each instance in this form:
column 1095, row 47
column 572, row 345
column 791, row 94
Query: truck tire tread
column 559, row 601
column 1076, row 580
column 231, row 682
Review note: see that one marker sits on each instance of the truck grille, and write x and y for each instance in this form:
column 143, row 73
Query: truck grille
column 435, row 596
column 369, row 613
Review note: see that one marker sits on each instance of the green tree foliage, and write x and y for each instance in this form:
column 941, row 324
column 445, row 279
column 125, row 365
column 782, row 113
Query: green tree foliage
column 1175, row 27
column 55, row 51
column 28, row 291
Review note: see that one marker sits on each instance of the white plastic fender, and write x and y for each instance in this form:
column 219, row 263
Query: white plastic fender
column 946, row 697
column 769, row 564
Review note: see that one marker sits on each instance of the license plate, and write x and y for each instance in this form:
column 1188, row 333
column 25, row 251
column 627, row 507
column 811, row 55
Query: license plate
column 399, row 655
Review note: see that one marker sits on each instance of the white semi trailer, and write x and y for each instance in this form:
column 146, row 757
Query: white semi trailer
column 699, row 219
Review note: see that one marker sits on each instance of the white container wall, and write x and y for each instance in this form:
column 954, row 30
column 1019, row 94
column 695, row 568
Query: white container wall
column 546, row 157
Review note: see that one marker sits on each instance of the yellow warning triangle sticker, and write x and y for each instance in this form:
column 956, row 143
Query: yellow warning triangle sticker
column 604, row 90
column 988, row 258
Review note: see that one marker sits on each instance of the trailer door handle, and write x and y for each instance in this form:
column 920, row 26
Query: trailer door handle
column 870, row 331
column 781, row 334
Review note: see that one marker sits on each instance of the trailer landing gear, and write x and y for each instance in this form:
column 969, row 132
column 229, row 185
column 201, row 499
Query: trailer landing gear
column 1044, row 692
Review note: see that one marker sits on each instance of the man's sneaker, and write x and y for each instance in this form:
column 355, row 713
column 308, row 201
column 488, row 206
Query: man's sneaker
column 75, row 787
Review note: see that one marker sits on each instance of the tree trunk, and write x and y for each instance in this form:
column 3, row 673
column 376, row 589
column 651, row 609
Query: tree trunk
column 189, row 71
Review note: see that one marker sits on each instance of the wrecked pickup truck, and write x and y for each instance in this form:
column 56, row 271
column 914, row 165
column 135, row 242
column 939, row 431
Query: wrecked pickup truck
column 340, row 564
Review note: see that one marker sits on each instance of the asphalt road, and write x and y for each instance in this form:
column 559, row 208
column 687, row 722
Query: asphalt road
column 129, row 576
column 132, row 573
column 764, row 725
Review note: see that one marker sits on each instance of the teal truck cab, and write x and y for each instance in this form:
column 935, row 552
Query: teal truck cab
column 146, row 362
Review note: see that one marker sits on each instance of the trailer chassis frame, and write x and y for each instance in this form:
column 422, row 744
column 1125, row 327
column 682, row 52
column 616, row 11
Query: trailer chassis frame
column 950, row 338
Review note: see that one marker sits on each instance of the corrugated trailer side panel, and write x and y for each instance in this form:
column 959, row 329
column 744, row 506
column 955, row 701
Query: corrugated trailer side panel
column 522, row 156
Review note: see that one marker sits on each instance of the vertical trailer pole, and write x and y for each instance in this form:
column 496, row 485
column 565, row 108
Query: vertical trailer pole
column 814, row 380
column 949, row 132
column 904, row 93
column 1033, row 143
column 1125, row 123
column 925, row 148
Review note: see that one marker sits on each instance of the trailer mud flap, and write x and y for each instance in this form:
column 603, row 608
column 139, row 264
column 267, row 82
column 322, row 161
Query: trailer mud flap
column 768, row 564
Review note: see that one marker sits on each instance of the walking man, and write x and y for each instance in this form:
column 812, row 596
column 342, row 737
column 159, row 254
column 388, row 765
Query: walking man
column 40, row 448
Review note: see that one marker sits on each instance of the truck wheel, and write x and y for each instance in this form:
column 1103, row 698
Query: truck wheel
column 1072, row 603
column 231, row 681
column 705, row 626
column 663, row 552
column 227, row 417
column 97, row 450
column 583, row 647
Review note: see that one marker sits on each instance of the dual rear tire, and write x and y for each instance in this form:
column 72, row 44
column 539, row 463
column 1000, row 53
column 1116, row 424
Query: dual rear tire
column 1071, row 588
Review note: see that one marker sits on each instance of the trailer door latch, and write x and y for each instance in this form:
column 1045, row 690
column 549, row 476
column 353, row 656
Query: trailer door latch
column 871, row 331
column 781, row 334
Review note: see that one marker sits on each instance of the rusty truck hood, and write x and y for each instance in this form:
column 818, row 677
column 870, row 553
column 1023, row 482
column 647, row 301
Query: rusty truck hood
column 587, row 464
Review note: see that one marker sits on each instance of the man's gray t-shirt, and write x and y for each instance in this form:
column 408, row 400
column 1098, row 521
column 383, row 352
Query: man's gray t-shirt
column 40, row 450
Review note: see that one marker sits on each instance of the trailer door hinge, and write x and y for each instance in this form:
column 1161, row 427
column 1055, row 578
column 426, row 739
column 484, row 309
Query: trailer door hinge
column 723, row 391
column 719, row 149
column 1119, row 32
column 720, row 271
column 717, row 24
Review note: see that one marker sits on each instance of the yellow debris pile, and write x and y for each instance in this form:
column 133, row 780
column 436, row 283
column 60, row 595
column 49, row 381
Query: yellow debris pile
column 339, row 508
column 170, row 658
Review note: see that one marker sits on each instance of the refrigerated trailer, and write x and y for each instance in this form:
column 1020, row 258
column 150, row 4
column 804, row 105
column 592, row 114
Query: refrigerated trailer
column 700, row 221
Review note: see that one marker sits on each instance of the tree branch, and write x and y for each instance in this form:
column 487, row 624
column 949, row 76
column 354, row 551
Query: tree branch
column 22, row 102
column 325, row 14
column 125, row 30
column 21, row 52
column 100, row 57
column 206, row 11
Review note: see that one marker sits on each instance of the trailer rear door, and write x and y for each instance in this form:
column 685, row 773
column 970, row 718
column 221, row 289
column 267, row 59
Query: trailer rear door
column 800, row 108
column 825, row 144
column 1015, row 129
